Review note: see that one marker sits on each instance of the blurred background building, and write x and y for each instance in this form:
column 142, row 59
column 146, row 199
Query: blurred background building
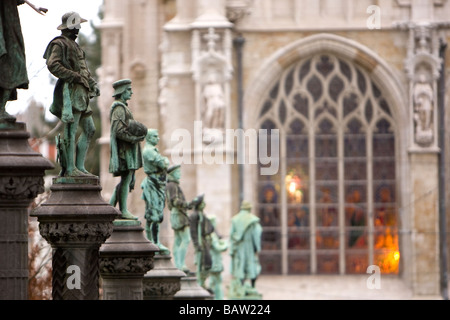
column 357, row 92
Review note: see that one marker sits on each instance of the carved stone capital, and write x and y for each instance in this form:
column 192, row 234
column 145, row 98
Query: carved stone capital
column 128, row 266
column 64, row 232
column 20, row 188
column 161, row 288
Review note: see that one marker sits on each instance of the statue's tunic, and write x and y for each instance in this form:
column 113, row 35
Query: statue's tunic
column 177, row 205
column 75, row 85
column 154, row 185
column 245, row 242
column 125, row 153
column 13, row 67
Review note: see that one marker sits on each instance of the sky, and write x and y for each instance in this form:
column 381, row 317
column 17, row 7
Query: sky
column 38, row 30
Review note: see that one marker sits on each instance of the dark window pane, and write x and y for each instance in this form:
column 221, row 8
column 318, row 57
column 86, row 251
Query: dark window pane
column 324, row 66
column 299, row 263
column 356, row 263
column 270, row 263
column 328, row 263
column 345, row 69
column 298, row 240
column 362, row 84
column 336, row 87
column 304, row 70
column 282, row 112
column 289, row 82
column 350, row 104
column 266, row 108
column 301, row 105
column 315, row 88
column 369, row 111
column 355, row 170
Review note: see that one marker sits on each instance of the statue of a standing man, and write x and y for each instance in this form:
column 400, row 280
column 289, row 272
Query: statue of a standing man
column 154, row 187
column 126, row 155
column 73, row 91
column 13, row 68
column 245, row 245
column 179, row 218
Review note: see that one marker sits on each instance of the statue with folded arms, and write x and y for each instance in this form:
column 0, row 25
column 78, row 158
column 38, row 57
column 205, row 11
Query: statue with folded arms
column 126, row 154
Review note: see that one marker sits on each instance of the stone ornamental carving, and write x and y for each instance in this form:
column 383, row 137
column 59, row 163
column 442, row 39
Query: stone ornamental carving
column 20, row 188
column 422, row 67
column 125, row 265
column 60, row 232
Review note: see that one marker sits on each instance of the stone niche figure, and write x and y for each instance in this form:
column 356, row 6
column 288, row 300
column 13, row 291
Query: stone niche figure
column 179, row 218
column 214, row 112
column 12, row 56
column 201, row 229
column 154, row 187
column 423, row 97
column 245, row 245
column 218, row 246
column 126, row 154
column 73, row 91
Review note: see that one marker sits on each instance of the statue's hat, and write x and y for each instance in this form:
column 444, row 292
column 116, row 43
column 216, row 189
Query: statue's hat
column 198, row 200
column 120, row 86
column 246, row 205
column 71, row 20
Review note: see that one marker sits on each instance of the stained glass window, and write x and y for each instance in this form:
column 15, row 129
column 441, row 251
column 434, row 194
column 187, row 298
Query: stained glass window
column 332, row 207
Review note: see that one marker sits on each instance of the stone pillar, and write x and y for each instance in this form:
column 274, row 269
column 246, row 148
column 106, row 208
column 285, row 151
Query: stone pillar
column 21, row 180
column 163, row 281
column 75, row 221
column 124, row 260
column 425, row 224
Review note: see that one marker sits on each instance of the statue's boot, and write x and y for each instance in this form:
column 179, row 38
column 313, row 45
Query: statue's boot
column 128, row 216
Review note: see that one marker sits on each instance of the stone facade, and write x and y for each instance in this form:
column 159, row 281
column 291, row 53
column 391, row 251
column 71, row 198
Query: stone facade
column 173, row 49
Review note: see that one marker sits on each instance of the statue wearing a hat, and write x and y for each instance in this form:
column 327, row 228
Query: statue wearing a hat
column 73, row 91
column 126, row 154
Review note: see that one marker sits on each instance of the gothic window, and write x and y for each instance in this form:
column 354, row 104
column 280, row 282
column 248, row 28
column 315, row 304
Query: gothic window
column 332, row 207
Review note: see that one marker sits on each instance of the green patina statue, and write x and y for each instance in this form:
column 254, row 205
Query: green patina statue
column 73, row 91
column 126, row 155
column 154, row 187
column 179, row 218
column 245, row 244
column 201, row 229
column 13, row 68
column 218, row 246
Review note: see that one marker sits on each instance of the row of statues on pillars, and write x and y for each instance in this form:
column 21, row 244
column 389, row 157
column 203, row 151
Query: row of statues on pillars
column 74, row 89
column 161, row 186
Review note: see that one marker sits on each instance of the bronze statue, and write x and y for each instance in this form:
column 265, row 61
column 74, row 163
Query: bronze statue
column 126, row 155
column 154, row 187
column 179, row 218
column 74, row 89
column 201, row 229
column 245, row 245
column 13, row 67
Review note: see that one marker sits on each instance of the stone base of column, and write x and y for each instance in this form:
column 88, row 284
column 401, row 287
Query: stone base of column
column 22, row 173
column 191, row 290
column 75, row 220
column 163, row 281
column 124, row 259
